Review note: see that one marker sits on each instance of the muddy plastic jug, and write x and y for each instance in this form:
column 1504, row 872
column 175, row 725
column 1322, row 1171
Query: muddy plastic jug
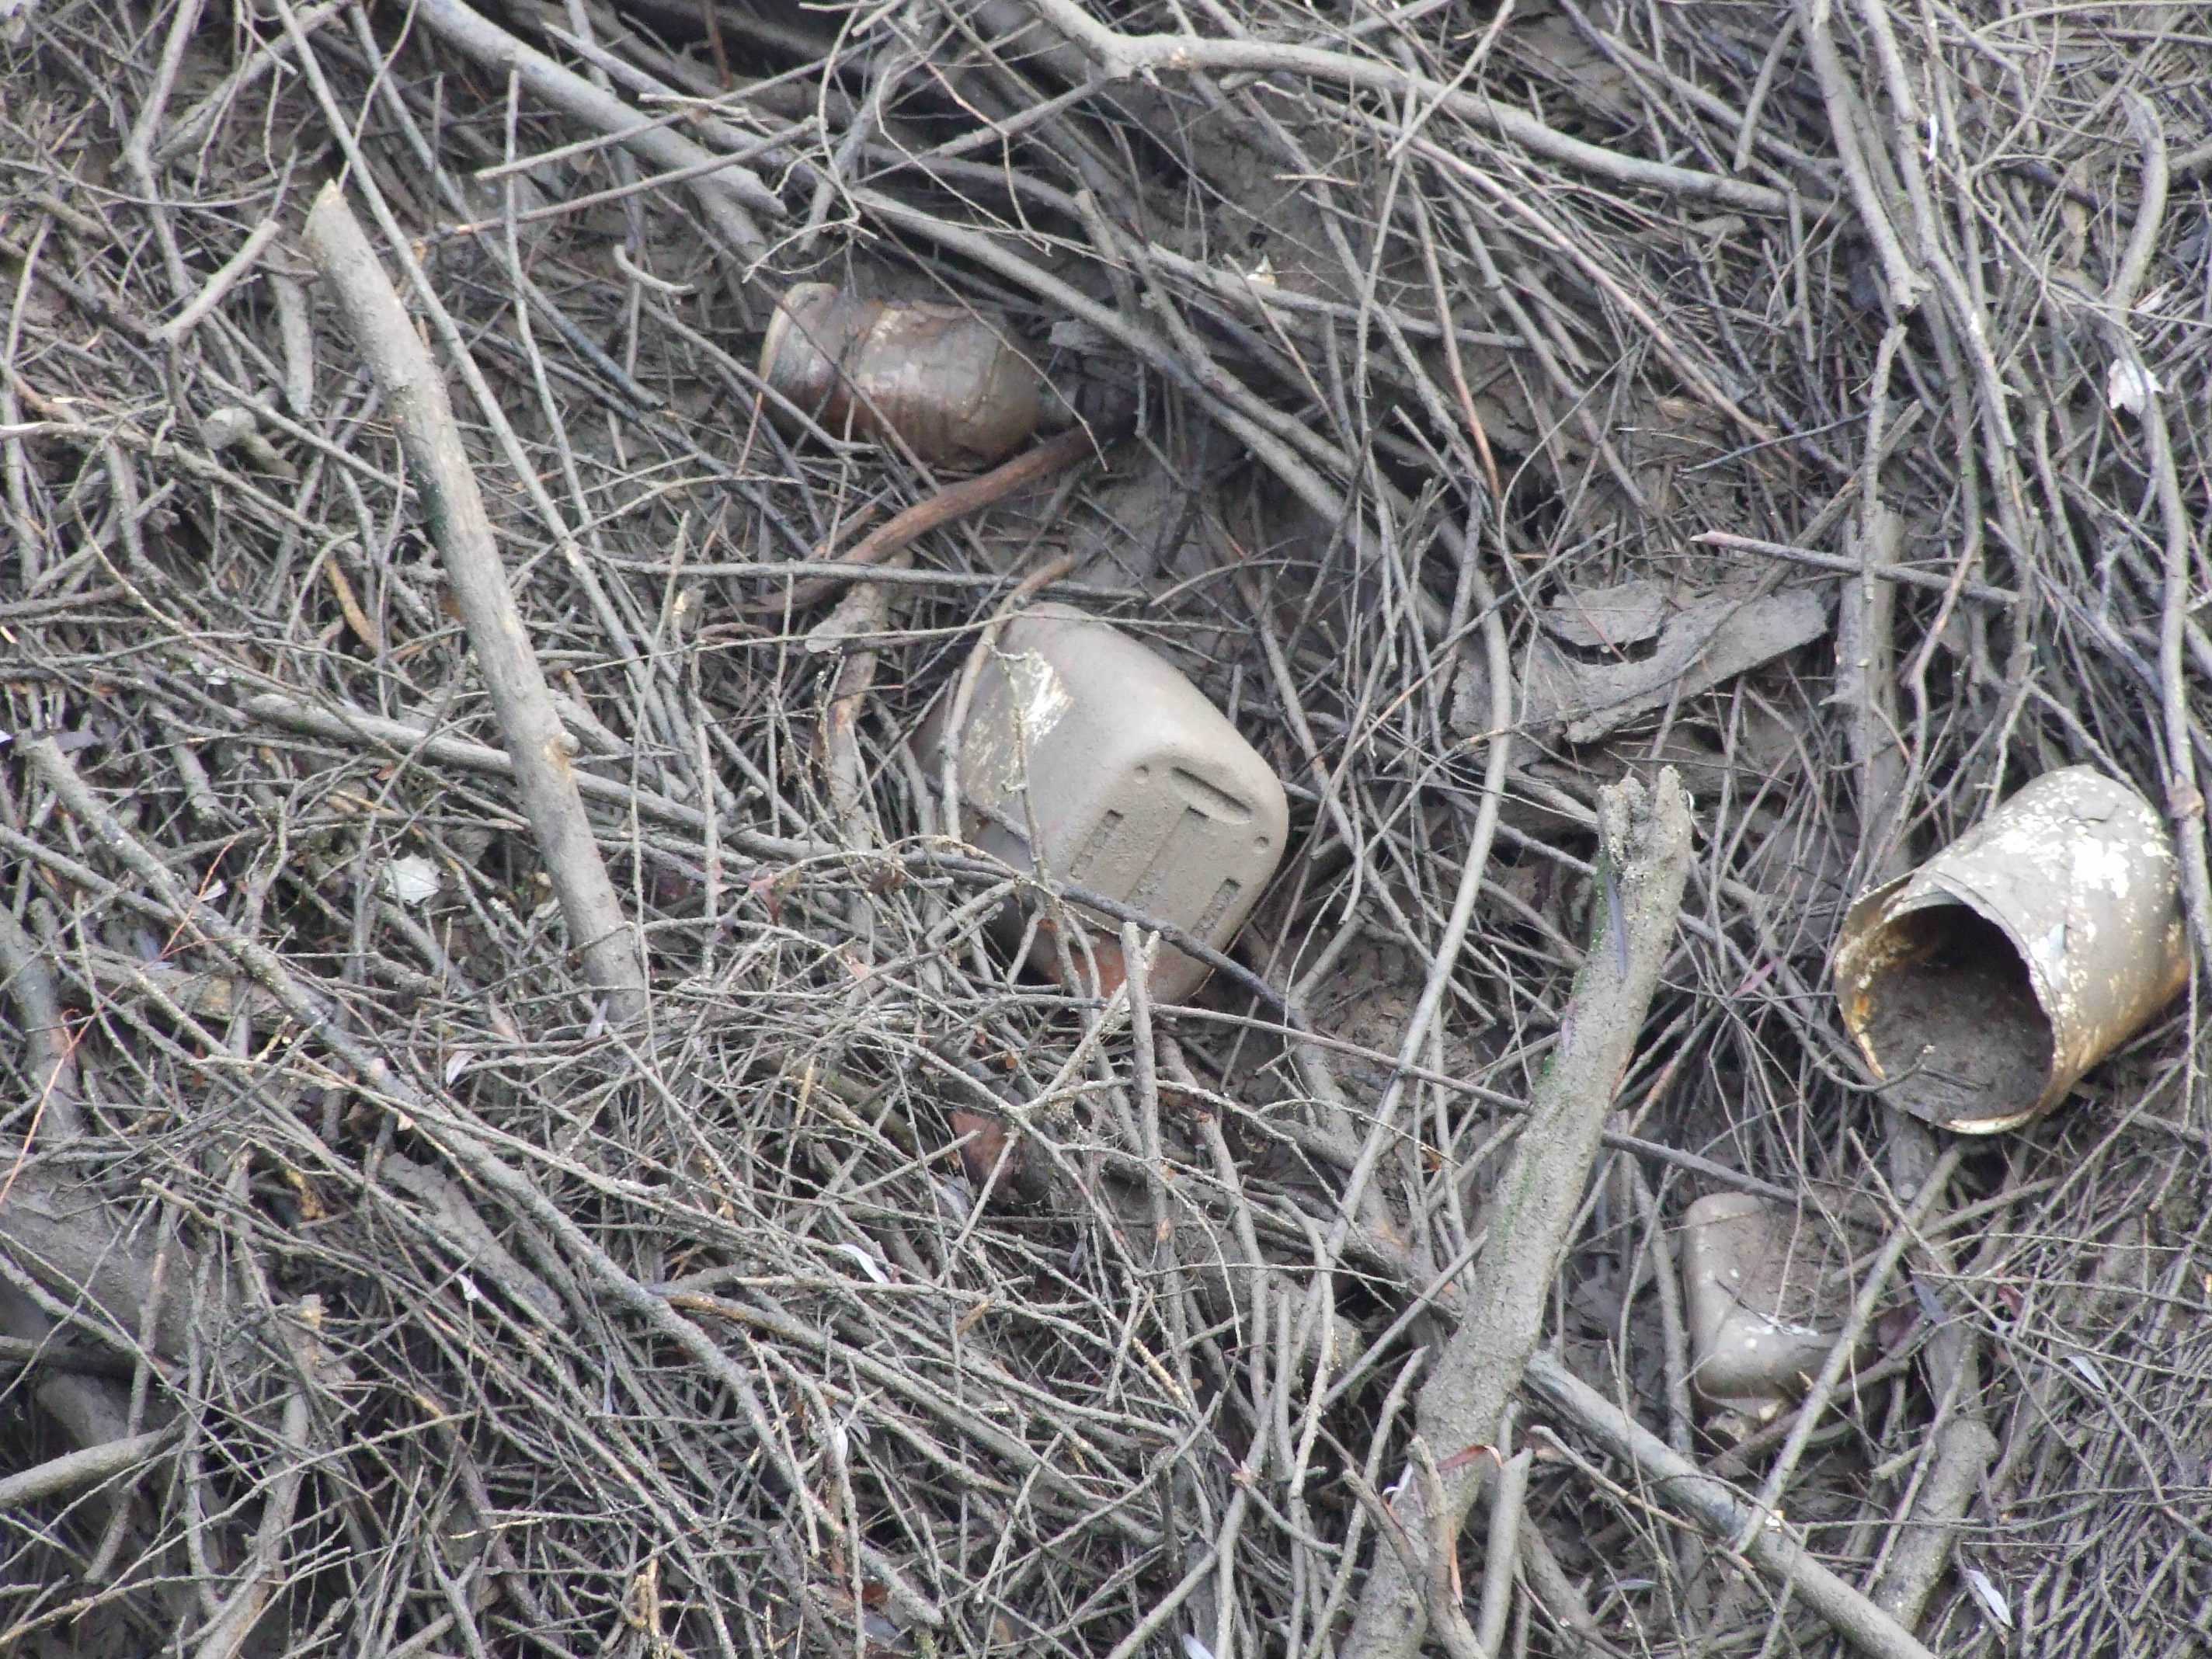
column 1138, row 788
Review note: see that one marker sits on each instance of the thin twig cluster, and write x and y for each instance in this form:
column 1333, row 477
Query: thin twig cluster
column 877, row 1290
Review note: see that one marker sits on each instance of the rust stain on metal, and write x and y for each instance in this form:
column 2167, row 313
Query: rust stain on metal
column 1982, row 986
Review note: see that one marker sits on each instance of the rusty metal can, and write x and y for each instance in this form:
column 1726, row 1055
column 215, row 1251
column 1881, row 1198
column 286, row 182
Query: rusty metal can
column 1986, row 984
column 949, row 382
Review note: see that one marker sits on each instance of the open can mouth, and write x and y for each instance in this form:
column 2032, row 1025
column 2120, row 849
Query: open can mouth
column 1982, row 986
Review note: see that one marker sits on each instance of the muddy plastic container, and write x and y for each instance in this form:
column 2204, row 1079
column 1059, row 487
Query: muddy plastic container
column 1983, row 985
column 1765, row 1289
column 1141, row 789
column 948, row 381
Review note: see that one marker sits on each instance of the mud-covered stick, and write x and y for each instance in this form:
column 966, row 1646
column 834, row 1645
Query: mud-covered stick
column 954, row 501
column 1644, row 845
column 1965, row 1448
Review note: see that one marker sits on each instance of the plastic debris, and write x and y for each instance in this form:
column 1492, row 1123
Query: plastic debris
column 1765, row 1289
column 1138, row 787
column 946, row 381
column 412, row 880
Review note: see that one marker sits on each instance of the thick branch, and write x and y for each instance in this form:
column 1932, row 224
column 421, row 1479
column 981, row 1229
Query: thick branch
column 1906, row 284
column 75, row 1471
column 30, row 983
column 535, row 743
column 1644, row 857
column 1866, row 689
column 1965, row 1448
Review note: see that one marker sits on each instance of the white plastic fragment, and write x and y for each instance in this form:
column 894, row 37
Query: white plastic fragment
column 2130, row 386
column 412, row 880
column 1991, row 1598
column 868, row 1264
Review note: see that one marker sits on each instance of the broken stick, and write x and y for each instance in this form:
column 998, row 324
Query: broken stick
column 75, row 1471
column 1681, row 1484
column 953, row 501
column 1644, row 858
column 415, row 392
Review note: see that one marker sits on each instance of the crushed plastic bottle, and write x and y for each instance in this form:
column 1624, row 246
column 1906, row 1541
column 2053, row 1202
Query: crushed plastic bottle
column 949, row 382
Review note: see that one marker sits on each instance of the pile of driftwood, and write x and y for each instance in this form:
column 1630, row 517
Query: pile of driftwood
column 521, row 1127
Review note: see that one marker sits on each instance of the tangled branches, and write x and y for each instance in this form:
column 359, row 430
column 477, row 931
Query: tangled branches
column 384, row 1268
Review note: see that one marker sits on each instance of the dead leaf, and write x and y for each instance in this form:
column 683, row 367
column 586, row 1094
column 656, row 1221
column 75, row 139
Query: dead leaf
column 1607, row 619
column 1991, row 1598
column 1466, row 1455
column 2130, row 386
column 1701, row 648
column 312, row 1207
